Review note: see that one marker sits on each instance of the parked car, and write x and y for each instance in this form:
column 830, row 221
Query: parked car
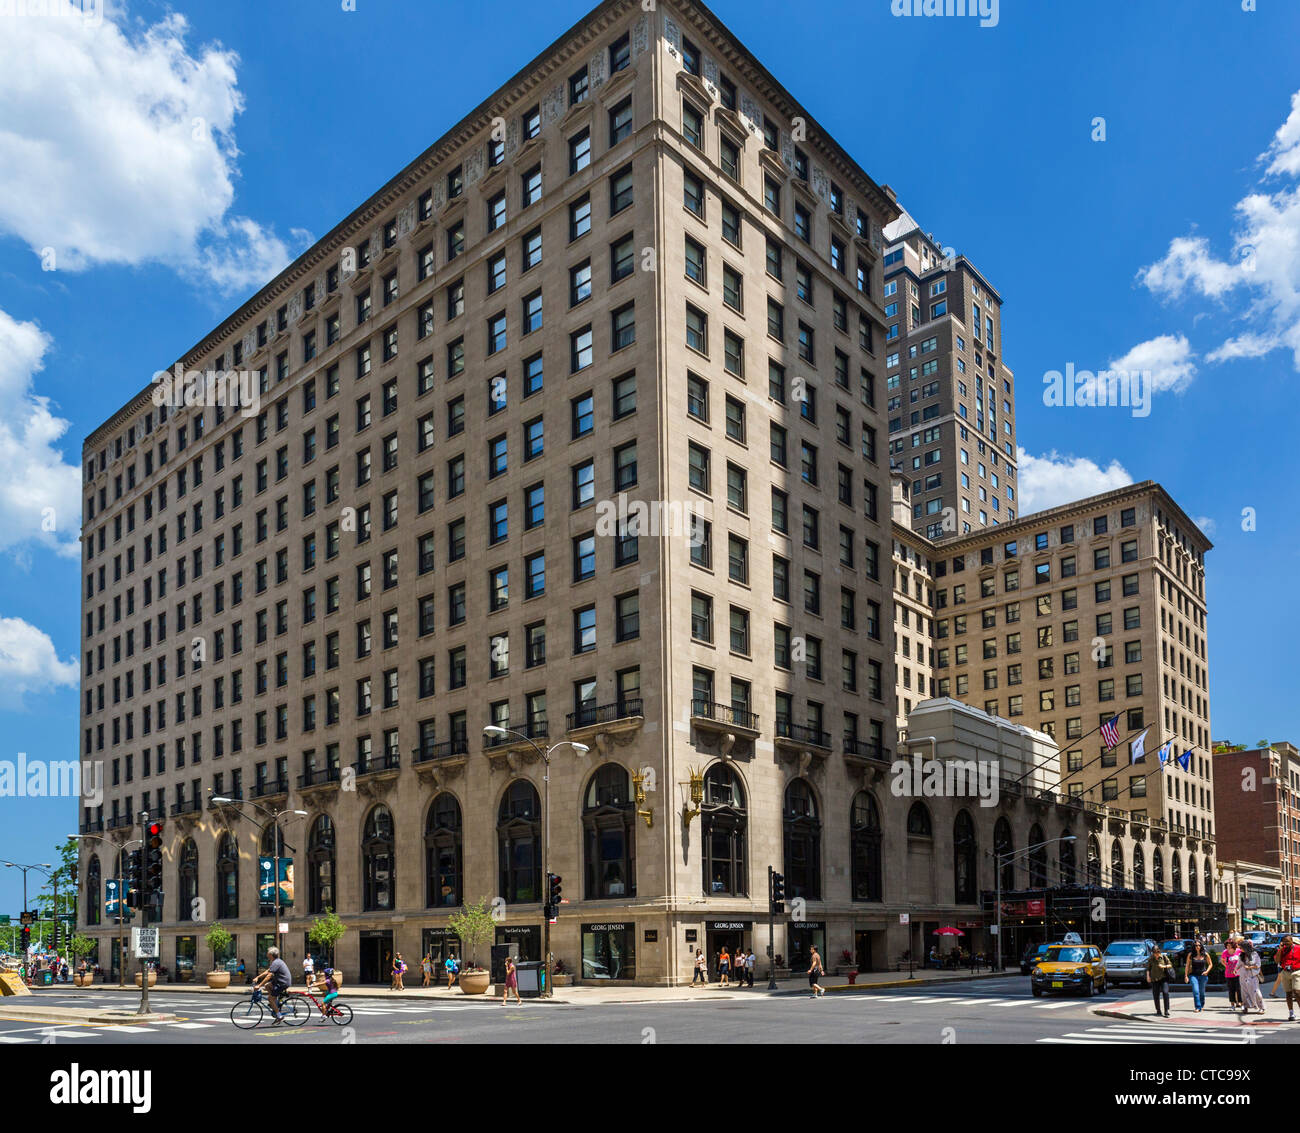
column 1069, row 967
column 1033, row 954
column 1126, row 961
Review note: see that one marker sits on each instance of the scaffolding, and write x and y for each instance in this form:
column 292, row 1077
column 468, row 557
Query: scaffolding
column 1100, row 915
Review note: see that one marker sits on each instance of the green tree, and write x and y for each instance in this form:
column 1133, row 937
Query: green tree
column 217, row 939
column 325, row 932
column 475, row 927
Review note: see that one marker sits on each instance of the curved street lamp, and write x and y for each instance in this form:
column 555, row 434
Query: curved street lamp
column 275, row 816
column 496, row 732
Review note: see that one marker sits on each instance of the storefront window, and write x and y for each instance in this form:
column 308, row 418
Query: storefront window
column 439, row 943
column 609, row 827
column 265, row 942
column 442, row 848
column 801, row 939
column 186, row 947
column 608, row 951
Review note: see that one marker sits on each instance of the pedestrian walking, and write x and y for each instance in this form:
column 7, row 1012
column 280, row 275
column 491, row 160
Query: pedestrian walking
column 1196, row 971
column 701, row 975
column 1231, row 958
column 452, row 967
column 749, row 970
column 738, row 963
column 1251, row 997
column 724, row 967
column 1284, row 946
column 815, row 975
column 242, row 971
column 308, row 970
column 512, row 983
column 1159, row 970
column 426, row 966
column 1291, row 978
column 399, row 970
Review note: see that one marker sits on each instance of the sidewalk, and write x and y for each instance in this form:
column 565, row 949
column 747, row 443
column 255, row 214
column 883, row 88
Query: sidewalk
column 592, row 992
column 1183, row 1013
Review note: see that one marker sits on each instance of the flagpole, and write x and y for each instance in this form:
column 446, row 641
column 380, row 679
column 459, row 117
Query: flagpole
column 1080, row 739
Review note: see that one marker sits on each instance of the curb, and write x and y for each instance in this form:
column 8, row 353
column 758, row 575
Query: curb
column 61, row 1018
column 1146, row 1016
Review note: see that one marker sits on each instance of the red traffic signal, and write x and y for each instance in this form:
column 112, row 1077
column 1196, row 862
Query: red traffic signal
column 155, row 831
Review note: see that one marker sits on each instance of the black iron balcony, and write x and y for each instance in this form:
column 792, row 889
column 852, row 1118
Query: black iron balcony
column 236, row 795
column 96, row 827
column 186, row 806
column 534, row 729
column 427, row 753
column 800, row 733
column 625, row 709
column 385, row 761
column 269, row 787
column 863, row 749
column 319, row 777
column 723, row 714
column 118, row 821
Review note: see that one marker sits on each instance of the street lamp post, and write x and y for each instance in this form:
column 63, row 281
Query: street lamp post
column 494, row 731
column 998, row 861
column 121, row 900
column 275, row 816
column 44, row 868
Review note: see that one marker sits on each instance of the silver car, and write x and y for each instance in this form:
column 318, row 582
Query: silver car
column 1126, row 960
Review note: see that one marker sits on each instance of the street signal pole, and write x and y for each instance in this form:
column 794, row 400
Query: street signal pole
column 775, row 904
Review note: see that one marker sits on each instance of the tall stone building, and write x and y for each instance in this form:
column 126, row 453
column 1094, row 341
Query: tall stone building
column 575, row 428
column 950, row 395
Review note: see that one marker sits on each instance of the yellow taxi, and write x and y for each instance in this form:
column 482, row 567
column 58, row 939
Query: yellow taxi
column 1069, row 966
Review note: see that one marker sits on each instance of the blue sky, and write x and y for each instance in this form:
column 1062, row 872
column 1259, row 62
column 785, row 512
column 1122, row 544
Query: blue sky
column 1128, row 249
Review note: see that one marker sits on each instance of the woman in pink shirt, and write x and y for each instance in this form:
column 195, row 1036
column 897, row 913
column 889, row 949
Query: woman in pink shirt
column 1232, row 973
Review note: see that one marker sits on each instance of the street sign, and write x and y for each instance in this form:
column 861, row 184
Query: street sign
column 904, row 918
column 26, row 918
column 993, row 929
column 284, row 927
column 144, row 942
column 4, row 918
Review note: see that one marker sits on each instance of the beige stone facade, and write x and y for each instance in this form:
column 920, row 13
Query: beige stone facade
column 319, row 604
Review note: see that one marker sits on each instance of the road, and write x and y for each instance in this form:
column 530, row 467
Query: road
column 981, row 1012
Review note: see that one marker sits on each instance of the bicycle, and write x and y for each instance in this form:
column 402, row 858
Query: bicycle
column 337, row 1012
column 249, row 1014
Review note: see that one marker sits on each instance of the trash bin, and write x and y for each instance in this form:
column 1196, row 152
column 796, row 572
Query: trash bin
column 531, row 977
column 47, row 978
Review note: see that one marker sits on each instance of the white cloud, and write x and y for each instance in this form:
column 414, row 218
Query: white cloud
column 119, row 148
column 1053, row 479
column 1264, row 263
column 29, row 663
column 1205, row 523
column 1167, row 358
column 33, row 474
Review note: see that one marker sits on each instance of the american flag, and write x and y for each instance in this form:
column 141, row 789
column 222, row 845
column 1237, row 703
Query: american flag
column 1109, row 733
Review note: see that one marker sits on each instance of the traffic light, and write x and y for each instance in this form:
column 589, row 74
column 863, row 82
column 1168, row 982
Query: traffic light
column 26, row 937
column 133, row 881
column 153, row 882
column 553, row 891
column 778, row 888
